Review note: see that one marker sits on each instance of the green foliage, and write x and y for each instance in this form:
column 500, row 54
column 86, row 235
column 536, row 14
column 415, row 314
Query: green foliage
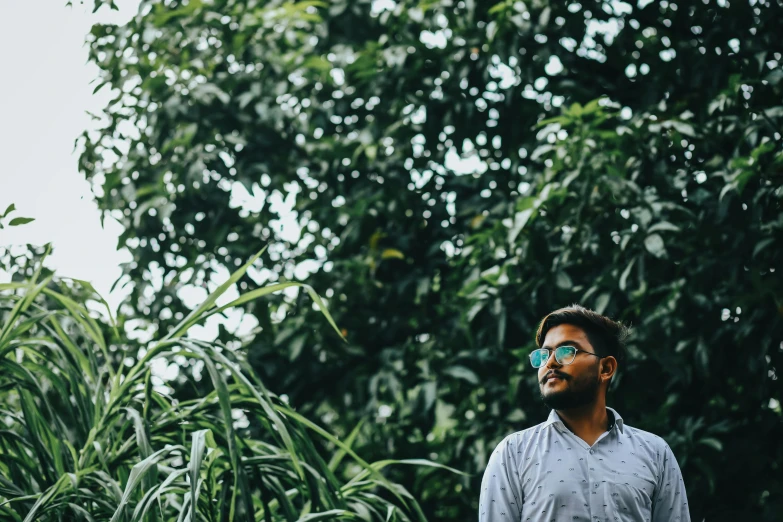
column 96, row 4
column 627, row 157
column 12, row 222
column 90, row 434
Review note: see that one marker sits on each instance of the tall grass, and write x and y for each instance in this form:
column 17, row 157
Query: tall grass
column 85, row 435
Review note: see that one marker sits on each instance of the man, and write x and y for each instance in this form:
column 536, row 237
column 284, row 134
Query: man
column 584, row 463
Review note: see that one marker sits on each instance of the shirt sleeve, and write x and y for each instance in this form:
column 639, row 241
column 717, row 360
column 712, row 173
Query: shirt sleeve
column 501, row 492
column 670, row 503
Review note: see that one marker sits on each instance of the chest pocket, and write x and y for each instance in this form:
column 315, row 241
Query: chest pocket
column 630, row 498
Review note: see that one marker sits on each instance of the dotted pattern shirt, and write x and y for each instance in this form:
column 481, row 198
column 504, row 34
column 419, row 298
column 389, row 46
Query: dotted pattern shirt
column 548, row 474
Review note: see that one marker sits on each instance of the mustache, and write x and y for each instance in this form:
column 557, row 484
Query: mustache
column 555, row 374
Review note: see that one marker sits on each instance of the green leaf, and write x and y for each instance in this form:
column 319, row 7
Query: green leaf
column 61, row 484
column 209, row 302
column 341, row 453
column 260, row 292
column 164, row 16
column 683, row 128
column 563, row 280
column 137, row 472
column 202, row 439
column 624, row 276
column 601, row 302
column 498, row 8
column 654, row 245
column 461, row 372
column 712, row 443
column 761, row 245
column 520, row 221
column 330, row 514
column 20, row 221
column 663, row 226
column 318, row 63
column 392, row 253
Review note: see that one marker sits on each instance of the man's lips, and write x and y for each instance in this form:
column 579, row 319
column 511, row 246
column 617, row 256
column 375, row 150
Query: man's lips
column 553, row 376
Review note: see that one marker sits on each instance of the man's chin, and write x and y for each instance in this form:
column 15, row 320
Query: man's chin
column 554, row 389
column 561, row 400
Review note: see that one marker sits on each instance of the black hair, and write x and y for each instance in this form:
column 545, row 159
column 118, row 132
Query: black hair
column 605, row 335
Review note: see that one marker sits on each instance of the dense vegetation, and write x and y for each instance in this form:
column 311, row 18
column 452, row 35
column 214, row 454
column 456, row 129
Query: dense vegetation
column 90, row 432
column 456, row 170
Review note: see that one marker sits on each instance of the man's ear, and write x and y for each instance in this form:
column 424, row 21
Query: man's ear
column 608, row 368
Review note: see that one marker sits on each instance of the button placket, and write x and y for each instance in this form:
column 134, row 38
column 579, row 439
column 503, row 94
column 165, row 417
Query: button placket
column 594, row 497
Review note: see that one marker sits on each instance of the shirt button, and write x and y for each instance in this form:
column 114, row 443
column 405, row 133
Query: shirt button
column 591, row 452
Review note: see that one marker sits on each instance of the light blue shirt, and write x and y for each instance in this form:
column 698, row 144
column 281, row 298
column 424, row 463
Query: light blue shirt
column 548, row 474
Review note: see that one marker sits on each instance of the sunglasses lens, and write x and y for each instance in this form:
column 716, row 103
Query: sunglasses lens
column 565, row 354
column 538, row 358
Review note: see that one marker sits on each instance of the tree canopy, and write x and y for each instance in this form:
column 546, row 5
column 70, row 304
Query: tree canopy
column 448, row 172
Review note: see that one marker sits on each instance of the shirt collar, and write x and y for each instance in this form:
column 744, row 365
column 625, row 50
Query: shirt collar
column 554, row 420
column 614, row 420
column 617, row 421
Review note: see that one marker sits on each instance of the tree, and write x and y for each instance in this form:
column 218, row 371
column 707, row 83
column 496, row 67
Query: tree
column 457, row 170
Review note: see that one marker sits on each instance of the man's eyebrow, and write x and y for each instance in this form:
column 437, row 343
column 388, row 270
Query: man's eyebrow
column 567, row 342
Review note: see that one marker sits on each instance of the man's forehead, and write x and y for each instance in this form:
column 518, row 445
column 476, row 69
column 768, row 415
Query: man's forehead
column 562, row 332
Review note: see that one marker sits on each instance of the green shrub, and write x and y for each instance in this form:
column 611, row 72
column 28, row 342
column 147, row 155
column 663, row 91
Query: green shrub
column 88, row 434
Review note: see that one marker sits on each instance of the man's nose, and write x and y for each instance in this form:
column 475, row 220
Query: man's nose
column 552, row 362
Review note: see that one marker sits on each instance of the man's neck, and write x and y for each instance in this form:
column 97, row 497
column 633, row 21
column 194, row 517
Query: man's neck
column 587, row 422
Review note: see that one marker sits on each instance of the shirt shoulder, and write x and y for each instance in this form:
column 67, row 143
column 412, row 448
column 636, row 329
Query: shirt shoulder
column 652, row 446
column 646, row 438
column 517, row 441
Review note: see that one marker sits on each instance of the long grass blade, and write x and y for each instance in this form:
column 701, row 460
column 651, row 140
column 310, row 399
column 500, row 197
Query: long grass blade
column 349, row 440
column 137, row 472
column 196, row 315
column 201, row 439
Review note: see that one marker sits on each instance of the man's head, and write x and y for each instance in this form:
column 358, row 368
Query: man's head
column 599, row 344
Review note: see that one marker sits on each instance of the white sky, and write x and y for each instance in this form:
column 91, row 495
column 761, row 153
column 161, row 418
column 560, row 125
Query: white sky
column 44, row 94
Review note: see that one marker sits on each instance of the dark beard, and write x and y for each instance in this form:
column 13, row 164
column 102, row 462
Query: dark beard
column 577, row 393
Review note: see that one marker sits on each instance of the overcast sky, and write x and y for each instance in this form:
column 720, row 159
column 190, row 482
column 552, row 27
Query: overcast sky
column 44, row 93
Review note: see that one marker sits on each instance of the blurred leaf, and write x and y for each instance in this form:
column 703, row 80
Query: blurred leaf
column 654, row 245
column 390, row 253
column 712, row 443
column 460, row 372
column 20, row 221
